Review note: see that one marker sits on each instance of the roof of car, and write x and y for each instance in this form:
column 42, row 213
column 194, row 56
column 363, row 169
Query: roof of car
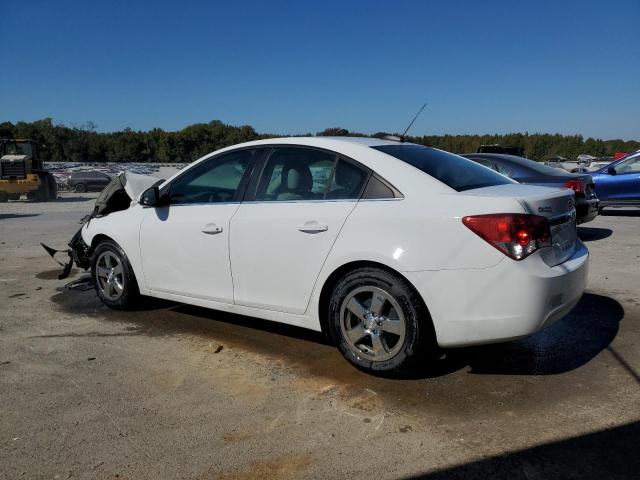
column 318, row 141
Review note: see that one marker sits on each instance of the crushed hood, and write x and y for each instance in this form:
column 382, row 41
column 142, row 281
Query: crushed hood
column 135, row 184
column 124, row 189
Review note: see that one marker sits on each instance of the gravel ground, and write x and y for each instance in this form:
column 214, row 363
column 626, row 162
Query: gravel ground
column 173, row 391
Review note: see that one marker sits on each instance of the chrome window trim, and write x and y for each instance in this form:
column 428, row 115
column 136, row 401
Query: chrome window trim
column 332, row 200
column 198, row 203
column 390, row 199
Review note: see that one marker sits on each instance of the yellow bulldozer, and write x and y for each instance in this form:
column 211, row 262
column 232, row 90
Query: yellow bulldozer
column 22, row 172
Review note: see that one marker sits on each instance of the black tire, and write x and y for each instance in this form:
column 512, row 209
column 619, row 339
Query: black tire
column 53, row 187
column 130, row 294
column 80, row 188
column 42, row 193
column 417, row 340
column 4, row 198
column 14, row 196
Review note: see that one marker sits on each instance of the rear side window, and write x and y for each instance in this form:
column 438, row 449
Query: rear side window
column 307, row 174
column 296, row 174
column 457, row 172
column 347, row 181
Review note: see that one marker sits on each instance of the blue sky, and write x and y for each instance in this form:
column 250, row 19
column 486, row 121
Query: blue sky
column 296, row 67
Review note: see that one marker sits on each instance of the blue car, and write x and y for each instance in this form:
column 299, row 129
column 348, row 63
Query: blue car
column 528, row 171
column 619, row 182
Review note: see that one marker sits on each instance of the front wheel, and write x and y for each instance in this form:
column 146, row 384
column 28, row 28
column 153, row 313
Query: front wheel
column 80, row 188
column 113, row 276
column 378, row 322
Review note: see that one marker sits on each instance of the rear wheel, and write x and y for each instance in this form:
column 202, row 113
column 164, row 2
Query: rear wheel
column 53, row 187
column 42, row 193
column 378, row 322
column 113, row 276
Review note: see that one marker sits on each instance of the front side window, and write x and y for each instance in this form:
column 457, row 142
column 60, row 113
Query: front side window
column 455, row 171
column 630, row 165
column 215, row 180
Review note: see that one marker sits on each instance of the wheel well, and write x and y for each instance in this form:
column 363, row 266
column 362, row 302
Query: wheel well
column 102, row 237
column 332, row 280
column 99, row 238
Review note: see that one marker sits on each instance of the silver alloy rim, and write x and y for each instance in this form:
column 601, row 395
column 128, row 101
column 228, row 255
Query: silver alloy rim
column 372, row 323
column 110, row 275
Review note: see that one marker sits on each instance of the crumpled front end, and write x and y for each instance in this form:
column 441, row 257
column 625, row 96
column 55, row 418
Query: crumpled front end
column 78, row 252
column 118, row 195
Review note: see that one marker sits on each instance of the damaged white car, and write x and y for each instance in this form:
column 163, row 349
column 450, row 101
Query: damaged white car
column 388, row 247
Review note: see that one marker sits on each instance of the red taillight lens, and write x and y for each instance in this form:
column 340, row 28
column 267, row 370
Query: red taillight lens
column 576, row 185
column 514, row 234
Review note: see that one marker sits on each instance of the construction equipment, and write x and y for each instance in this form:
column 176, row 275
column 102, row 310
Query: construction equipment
column 22, row 171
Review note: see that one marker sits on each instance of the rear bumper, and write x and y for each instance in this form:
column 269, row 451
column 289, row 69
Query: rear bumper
column 508, row 301
column 586, row 210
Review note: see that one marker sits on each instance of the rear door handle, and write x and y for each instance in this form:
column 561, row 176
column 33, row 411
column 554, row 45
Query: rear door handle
column 313, row 227
column 211, row 229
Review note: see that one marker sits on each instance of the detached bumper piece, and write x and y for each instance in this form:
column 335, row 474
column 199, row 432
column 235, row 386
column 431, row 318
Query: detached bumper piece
column 78, row 252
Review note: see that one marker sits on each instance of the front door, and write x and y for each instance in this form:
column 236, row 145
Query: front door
column 184, row 246
column 624, row 186
column 281, row 239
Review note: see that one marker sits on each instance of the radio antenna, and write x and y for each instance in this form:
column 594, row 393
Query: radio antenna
column 414, row 119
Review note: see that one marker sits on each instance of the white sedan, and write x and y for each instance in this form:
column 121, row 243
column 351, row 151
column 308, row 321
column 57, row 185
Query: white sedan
column 390, row 248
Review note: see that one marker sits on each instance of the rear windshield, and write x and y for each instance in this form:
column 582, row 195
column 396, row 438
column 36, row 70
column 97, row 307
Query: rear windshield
column 536, row 166
column 455, row 171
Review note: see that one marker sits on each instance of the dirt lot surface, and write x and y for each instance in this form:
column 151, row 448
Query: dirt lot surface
column 180, row 392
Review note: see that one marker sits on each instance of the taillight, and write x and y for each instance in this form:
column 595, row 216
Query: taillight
column 576, row 185
column 516, row 235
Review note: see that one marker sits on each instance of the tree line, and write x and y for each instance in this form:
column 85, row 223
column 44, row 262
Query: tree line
column 84, row 143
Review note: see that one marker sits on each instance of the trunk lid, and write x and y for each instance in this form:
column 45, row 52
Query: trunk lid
column 557, row 205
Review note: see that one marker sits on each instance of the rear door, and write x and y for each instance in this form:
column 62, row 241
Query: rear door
column 283, row 232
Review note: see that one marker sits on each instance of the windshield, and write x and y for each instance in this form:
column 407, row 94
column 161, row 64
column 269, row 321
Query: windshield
column 452, row 170
column 15, row 148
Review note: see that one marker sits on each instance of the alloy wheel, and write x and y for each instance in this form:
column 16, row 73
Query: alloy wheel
column 372, row 323
column 110, row 275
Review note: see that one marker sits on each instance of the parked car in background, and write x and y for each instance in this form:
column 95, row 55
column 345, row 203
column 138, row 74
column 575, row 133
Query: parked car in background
column 619, row 182
column 598, row 163
column 583, row 163
column 573, row 166
column 535, row 173
column 88, row 181
column 390, row 248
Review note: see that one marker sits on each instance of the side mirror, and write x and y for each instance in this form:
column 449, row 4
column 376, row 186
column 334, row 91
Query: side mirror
column 151, row 198
column 611, row 171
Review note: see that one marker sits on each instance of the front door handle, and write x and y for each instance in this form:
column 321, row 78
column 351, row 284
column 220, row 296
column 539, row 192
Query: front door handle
column 211, row 229
column 313, row 227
